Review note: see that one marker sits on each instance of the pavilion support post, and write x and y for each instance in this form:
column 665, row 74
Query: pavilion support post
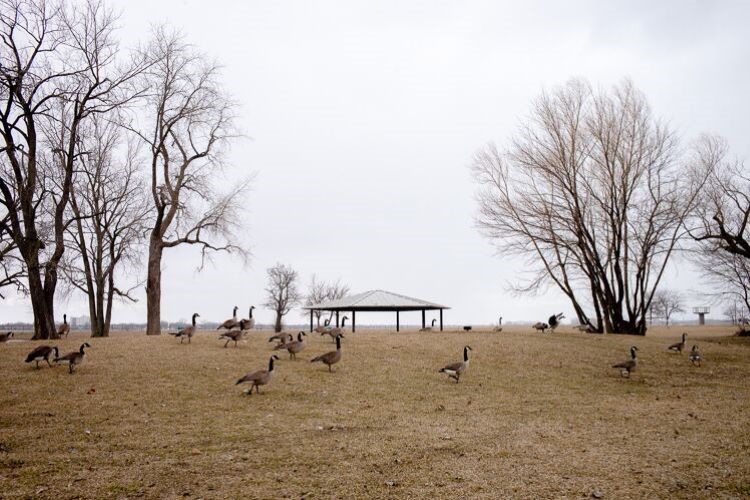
column 354, row 321
column 311, row 320
column 337, row 319
column 441, row 320
column 398, row 326
column 423, row 325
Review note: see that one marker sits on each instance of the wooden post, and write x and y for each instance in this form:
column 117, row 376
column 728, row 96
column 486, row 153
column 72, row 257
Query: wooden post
column 354, row 321
column 337, row 319
column 423, row 325
column 441, row 320
column 397, row 321
column 311, row 320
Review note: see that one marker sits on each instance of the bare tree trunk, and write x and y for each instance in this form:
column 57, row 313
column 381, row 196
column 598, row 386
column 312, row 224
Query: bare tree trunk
column 153, row 288
column 277, row 325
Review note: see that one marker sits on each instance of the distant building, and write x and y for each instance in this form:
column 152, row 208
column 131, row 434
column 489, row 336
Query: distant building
column 79, row 322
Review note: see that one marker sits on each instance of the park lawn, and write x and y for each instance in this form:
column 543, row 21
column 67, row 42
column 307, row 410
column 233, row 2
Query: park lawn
column 536, row 416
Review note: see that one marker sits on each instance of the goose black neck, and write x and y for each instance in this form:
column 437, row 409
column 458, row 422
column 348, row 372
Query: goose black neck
column 343, row 322
column 338, row 342
column 270, row 364
column 65, row 319
column 632, row 353
column 83, row 346
column 299, row 336
column 466, row 354
column 251, row 312
column 433, row 321
column 193, row 319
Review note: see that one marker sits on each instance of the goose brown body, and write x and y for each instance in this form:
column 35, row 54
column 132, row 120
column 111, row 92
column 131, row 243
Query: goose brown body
column 454, row 370
column 294, row 347
column 188, row 331
column 72, row 359
column 330, row 358
column 64, row 329
column 232, row 335
column 259, row 377
column 695, row 356
column 4, row 337
column 231, row 322
column 281, row 338
column 42, row 353
column 334, row 332
column 679, row 346
column 629, row 366
column 249, row 323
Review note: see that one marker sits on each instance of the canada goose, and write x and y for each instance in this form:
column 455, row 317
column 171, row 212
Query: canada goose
column 325, row 328
column 230, row 323
column 499, row 327
column 260, row 377
column 333, row 357
column 679, row 346
column 333, row 332
column 554, row 321
column 43, row 352
column 428, row 328
column 454, row 370
column 188, row 331
column 64, row 329
column 281, row 338
column 232, row 335
column 540, row 326
column 249, row 323
column 4, row 337
column 467, row 328
column 73, row 358
column 626, row 367
column 695, row 356
column 293, row 347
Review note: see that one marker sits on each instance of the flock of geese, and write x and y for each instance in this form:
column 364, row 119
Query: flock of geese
column 236, row 329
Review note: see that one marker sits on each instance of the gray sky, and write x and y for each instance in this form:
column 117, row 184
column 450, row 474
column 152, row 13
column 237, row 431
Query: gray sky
column 362, row 119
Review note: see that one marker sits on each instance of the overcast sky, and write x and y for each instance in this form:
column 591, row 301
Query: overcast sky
column 362, row 119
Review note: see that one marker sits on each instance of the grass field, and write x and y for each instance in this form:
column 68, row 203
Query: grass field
column 535, row 416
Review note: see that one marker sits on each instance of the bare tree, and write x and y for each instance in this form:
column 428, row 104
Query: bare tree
column 591, row 192
column 721, row 220
column 282, row 292
column 727, row 273
column 57, row 68
column 667, row 302
column 108, row 208
column 322, row 291
column 12, row 269
column 187, row 123
column 735, row 312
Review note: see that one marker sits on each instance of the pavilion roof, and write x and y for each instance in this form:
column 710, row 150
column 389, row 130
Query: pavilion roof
column 376, row 300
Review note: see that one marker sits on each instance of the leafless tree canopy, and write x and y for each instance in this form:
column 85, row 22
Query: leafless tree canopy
column 59, row 64
column 108, row 210
column 321, row 291
column 666, row 302
column 186, row 124
column 282, row 292
column 591, row 192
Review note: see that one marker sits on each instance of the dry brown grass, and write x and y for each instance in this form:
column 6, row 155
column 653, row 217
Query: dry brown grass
column 536, row 416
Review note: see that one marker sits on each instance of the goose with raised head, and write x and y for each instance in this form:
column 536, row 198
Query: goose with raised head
column 679, row 346
column 332, row 357
column 499, row 327
column 188, row 331
column 42, row 353
column 259, row 377
column 249, row 322
column 695, row 356
column 629, row 366
column 428, row 328
column 64, row 329
column 73, row 359
column 333, row 332
column 4, row 337
column 325, row 328
column 454, row 370
column 294, row 347
column 231, row 322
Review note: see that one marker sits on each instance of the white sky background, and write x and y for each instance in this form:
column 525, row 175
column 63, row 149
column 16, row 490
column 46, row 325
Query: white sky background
column 362, row 119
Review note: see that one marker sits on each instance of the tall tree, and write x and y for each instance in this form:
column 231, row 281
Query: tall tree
column 57, row 68
column 108, row 210
column 187, row 123
column 667, row 302
column 282, row 292
column 591, row 192
column 320, row 291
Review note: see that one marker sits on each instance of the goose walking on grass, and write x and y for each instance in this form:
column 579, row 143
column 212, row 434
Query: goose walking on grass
column 679, row 346
column 260, row 377
column 695, row 356
column 64, row 329
column 428, row 328
column 231, row 322
column 42, row 353
column 334, row 332
column 454, row 370
column 293, row 347
column 333, row 357
column 4, row 337
column 629, row 366
column 540, row 326
column 188, row 331
column 73, row 359
column 554, row 321
column 232, row 335
column 249, row 323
